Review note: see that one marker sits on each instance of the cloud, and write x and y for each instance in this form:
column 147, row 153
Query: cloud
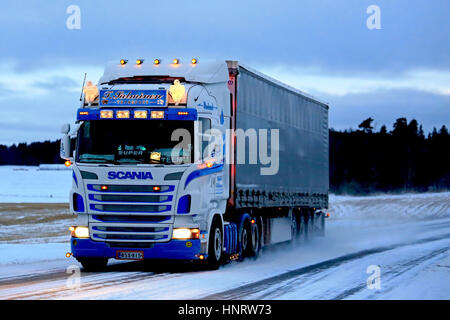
column 329, row 34
column 321, row 47
column 385, row 106
column 41, row 82
column 316, row 81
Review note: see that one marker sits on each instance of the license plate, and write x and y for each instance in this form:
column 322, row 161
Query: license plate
column 130, row 255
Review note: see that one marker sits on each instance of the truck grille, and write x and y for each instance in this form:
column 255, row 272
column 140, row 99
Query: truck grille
column 130, row 213
column 129, row 208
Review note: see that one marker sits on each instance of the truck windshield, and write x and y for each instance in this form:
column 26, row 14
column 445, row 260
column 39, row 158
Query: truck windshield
column 136, row 141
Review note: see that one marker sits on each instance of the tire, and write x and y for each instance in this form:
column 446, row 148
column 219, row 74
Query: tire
column 304, row 228
column 215, row 245
column 255, row 236
column 321, row 231
column 245, row 247
column 91, row 264
column 294, row 228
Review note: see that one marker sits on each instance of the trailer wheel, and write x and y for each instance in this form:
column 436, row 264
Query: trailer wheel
column 321, row 231
column 93, row 264
column 304, row 227
column 215, row 245
column 294, row 227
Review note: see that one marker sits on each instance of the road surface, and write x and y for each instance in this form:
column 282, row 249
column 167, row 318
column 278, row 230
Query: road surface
column 412, row 256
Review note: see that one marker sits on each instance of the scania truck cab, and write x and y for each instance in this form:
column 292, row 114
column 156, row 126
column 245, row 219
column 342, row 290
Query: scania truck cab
column 152, row 153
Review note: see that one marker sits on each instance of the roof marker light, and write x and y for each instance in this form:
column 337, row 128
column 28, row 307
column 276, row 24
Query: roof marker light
column 140, row 114
column 123, row 114
column 123, row 61
column 176, row 61
column 194, row 61
column 106, row 114
column 157, row 114
column 157, row 61
column 139, row 61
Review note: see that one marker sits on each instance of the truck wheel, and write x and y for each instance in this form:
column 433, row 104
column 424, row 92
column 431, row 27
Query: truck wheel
column 215, row 245
column 245, row 243
column 255, row 249
column 93, row 264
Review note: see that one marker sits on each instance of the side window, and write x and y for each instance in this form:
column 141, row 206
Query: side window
column 205, row 125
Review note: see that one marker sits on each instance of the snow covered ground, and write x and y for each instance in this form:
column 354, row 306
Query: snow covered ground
column 407, row 236
column 30, row 184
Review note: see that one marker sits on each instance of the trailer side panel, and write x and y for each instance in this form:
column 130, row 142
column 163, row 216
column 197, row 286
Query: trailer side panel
column 303, row 169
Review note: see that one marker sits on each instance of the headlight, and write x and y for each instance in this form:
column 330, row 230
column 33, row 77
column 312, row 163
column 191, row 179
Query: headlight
column 185, row 233
column 79, row 232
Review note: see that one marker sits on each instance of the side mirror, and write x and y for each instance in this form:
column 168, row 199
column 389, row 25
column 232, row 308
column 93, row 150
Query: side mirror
column 65, row 148
column 65, row 128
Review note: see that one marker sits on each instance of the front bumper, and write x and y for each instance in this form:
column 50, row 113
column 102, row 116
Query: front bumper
column 174, row 249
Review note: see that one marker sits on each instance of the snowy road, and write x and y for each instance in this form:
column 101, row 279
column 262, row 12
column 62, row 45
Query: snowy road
column 406, row 236
column 414, row 263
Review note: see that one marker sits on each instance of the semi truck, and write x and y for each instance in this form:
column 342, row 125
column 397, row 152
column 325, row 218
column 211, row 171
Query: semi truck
column 205, row 161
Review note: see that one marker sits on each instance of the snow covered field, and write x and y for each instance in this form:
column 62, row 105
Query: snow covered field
column 407, row 236
column 30, row 184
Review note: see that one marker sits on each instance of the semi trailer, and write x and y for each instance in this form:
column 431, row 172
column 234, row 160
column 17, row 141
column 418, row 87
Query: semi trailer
column 193, row 160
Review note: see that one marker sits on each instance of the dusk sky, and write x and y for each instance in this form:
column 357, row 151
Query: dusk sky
column 323, row 47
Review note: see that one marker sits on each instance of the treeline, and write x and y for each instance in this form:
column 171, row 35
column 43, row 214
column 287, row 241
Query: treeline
column 31, row 154
column 362, row 161
column 404, row 159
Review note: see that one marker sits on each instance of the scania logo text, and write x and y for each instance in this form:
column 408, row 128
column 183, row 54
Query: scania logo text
column 129, row 175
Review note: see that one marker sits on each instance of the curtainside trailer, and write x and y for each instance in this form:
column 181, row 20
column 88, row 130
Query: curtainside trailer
column 193, row 160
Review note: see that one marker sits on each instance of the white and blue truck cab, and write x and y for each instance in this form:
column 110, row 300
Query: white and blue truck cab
column 156, row 175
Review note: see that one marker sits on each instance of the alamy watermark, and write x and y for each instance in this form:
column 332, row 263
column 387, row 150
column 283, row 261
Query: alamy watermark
column 73, row 21
column 374, row 280
column 374, row 20
column 73, row 282
column 252, row 146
